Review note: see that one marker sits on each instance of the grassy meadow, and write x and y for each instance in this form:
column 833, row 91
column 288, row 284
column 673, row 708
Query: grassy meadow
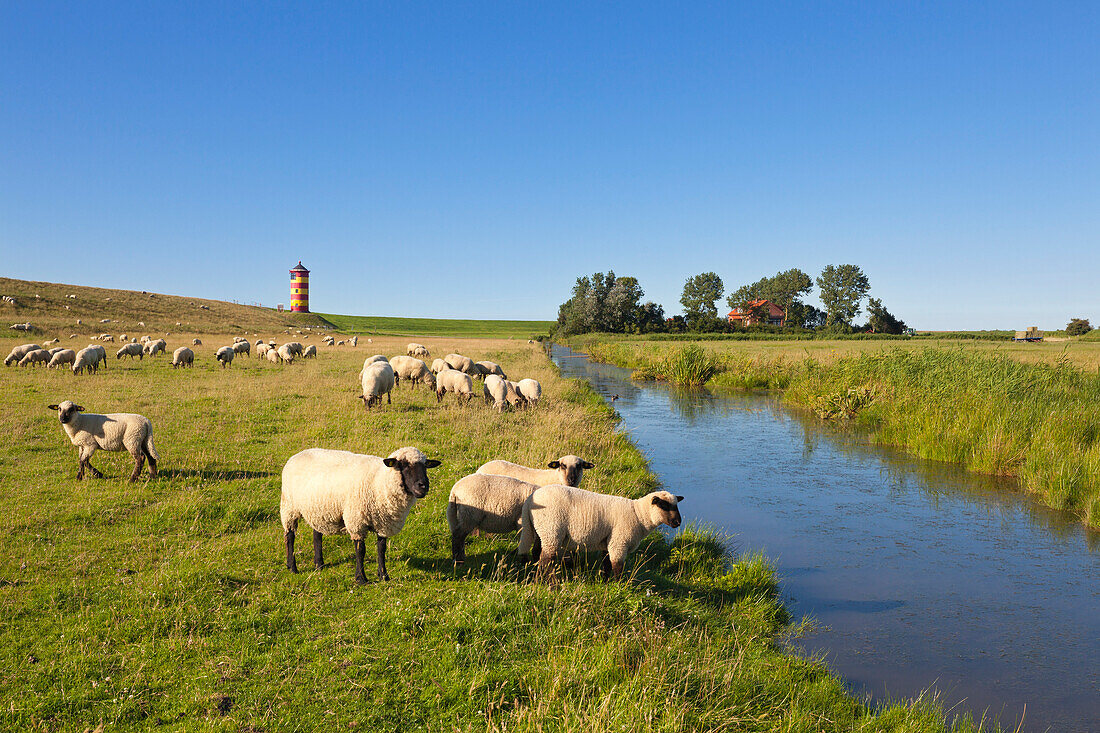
column 435, row 327
column 1031, row 411
column 165, row 603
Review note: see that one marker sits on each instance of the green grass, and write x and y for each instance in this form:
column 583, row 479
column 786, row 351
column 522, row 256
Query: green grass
column 165, row 603
column 439, row 327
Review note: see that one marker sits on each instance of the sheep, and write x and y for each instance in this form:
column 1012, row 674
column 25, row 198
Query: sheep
column 568, row 470
column 377, row 379
column 130, row 350
column 86, row 358
column 51, row 342
column 236, row 339
column 487, row 503
column 56, row 349
column 262, row 350
column 486, row 368
column 340, row 342
column 496, row 390
column 272, row 343
column 439, row 365
column 354, row 341
column 115, row 432
column 272, row 355
column 337, row 491
column 145, row 339
column 196, row 342
column 515, row 399
column 530, row 390
column 225, row 355
column 414, row 370
column 294, row 347
column 19, row 352
column 310, row 352
column 372, row 359
column 152, row 348
column 418, row 350
column 63, row 356
column 451, row 380
column 38, row 356
column 100, row 352
column 286, row 353
column 242, row 347
column 183, row 357
column 459, row 362
column 562, row 518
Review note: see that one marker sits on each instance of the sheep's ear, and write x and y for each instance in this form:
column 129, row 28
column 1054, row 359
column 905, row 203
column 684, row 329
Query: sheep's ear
column 554, row 464
column 432, row 463
column 586, row 465
column 390, row 462
column 53, row 407
column 79, row 408
column 679, row 498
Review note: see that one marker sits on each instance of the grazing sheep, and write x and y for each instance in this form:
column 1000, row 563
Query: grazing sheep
column 225, row 355
column 19, row 352
column 354, row 341
column 286, row 353
column 61, row 356
column 152, row 348
column 100, row 352
column 486, row 503
column 262, row 350
column 272, row 343
column 130, row 350
column 145, row 339
column 439, row 365
column 486, row 368
column 418, row 350
column 236, row 339
column 337, row 491
column 563, row 518
column 294, row 347
column 372, row 359
column 242, row 347
column 196, row 342
column 310, row 352
column 530, row 390
column 414, row 370
column 450, row 380
column 51, row 342
column 497, row 391
column 568, row 470
column 515, row 399
column 459, row 362
column 183, row 356
column 87, row 358
column 377, row 379
column 340, row 342
column 272, row 355
column 38, row 356
column 115, row 432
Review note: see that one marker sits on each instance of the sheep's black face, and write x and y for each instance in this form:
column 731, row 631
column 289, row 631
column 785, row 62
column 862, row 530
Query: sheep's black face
column 414, row 476
column 670, row 511
column 66, row 410
column 572, row 471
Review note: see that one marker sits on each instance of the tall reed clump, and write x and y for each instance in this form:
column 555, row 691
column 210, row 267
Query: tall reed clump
column 688, row 366
column 993, row 414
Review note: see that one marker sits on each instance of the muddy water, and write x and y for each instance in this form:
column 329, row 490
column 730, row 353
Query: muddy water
column 919, row 575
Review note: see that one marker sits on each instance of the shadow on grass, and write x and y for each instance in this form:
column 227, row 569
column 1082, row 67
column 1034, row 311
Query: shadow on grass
column 212, row 475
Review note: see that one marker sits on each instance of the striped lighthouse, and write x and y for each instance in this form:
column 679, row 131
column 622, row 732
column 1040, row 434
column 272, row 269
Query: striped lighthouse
column 299, row 289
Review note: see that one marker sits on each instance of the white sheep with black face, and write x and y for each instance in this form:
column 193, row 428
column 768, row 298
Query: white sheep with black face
column 487, row 503
column 242, row 347
column 310, row 352
column 183, row 357
column 19, row 352
column 152, row 348
column 377, row 379
column 460, row 363
column 450, row 380
column 37, row 356
column 61, row 356
column 90, row 432
column 568, row 470
column 225, row 355
column 530, row 390
column 413, row 370
column 418, row 350
column 439, row 365
column 502, row 392
column 339, row 492
column 485, row 368
column 564, row 518
column 131, row 350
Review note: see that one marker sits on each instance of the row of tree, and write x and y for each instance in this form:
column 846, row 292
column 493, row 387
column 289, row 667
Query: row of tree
column 605, row 302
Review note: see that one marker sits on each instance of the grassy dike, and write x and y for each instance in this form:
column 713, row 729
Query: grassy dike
column 989, row 411
column 165, row 603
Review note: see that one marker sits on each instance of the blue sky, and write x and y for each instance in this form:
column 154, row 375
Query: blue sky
column 471, row 160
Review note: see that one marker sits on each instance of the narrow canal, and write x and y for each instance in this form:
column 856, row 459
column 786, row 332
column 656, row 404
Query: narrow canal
column 919, row 575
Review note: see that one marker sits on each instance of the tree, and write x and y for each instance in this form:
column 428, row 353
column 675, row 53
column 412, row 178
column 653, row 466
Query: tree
column 651, row 318
column 1078, row 327
column 880, row 319
column 601, row 302
column 842, row 288
column 701, row 292
column 785, row 289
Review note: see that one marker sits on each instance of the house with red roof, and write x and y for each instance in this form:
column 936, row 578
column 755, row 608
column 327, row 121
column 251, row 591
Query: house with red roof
column 775, row 316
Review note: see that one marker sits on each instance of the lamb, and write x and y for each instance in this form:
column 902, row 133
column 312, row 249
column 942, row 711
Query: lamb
column 114, row 432
column 225, row 355
column 262, row 350
column 183, row 356
column 242, row 347
column 38, row 356
column 19, row 352
column 439, row 365
column 130, row 350
column 562, row 518
column 530, row 390
column 568, row 470
column 377, row 379
column 459, row 362
column 196, row 342
column 487, row 503
column 62, row 356
column 152, row 348
column 86, row 358
column 338, row 491
column 419, row 350
column 414, row 370
column 310, row 352
column 486, row 368
column 450, row 380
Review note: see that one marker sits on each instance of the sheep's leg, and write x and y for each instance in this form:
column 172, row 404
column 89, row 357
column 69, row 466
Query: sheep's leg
column 458, row 547
column 360, row 550
column 382, row 574
column 291, row 563
column 80, row 472
column 139, row 463
column 606, row 568
column 318, row 557
column 388, row 400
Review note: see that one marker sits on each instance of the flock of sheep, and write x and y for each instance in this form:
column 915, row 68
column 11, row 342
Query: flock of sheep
column 338, row 492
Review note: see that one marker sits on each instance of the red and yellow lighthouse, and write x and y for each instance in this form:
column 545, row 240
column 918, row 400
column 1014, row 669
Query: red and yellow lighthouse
column 299, row 289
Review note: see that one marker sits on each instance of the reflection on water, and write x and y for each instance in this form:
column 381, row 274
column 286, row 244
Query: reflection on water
column 919, row 574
